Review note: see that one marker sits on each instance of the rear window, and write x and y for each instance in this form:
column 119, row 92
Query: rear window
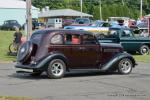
column 56, row 39
column 36, row 38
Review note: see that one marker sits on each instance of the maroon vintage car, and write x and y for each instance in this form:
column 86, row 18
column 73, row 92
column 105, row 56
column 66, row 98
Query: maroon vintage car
column 58, row 51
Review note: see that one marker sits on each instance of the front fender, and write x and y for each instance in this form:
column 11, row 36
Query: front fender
column 46, row 60
column 117, row 58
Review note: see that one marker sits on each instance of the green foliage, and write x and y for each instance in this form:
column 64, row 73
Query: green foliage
column 127, row 8
column 110, row 7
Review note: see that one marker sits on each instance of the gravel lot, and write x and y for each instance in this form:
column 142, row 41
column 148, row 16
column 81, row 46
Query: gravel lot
column 77, row 86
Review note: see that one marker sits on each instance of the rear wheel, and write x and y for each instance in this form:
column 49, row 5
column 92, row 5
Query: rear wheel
column 125, row 66
column 144, row 50
column 56, row 69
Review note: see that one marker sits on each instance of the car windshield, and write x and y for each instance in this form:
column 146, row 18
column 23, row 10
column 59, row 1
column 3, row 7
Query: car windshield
column 97, row 23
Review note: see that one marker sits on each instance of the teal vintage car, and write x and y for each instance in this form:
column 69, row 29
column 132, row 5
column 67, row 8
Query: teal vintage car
column 128, row 40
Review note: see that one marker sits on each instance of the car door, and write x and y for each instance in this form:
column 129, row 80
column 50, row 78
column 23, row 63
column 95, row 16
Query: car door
column 64, row 43
column 128, row 41
column 90, row 52
column 72, row 49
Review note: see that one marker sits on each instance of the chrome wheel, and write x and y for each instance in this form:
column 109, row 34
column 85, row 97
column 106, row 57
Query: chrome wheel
column 56, row 69
column 125, row 66
column 144, row 50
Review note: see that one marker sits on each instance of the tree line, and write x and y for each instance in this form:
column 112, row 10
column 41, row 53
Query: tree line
column 110, row 8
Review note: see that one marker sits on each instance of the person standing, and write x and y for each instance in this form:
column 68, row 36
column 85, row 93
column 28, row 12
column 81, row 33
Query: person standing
column 17, row 37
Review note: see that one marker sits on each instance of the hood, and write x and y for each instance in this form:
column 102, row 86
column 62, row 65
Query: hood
column 142, row 38
column 111, row 47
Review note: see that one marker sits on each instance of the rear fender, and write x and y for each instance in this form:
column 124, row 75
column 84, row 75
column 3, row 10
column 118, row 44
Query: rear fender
column 116, row 59
column 44, row 63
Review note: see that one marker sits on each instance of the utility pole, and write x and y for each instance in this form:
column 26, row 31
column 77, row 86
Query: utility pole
column 81, row 2
column 141, row 9
column 28, row 19
column 100, row 10
column 123, row 2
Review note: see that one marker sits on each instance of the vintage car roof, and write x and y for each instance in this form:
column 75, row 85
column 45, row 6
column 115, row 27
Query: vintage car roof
column 48, row 31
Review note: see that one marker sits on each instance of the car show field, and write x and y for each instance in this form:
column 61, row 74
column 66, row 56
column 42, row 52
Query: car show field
column 74, row 49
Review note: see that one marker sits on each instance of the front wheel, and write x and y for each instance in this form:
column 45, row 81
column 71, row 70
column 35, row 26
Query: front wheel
column 56, row 69
column 144, row 50
column 125, row 66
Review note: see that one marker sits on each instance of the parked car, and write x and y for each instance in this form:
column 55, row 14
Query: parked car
column 35, row 25
column 10, row 25
column 128, row 40
column 81, row 22
column 58, row 51
column 67, row 22
column 98, row 26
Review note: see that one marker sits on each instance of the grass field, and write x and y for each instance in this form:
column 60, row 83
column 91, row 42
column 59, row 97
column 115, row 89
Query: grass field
column 13, row 98
column 140, row 58
column 6, row 37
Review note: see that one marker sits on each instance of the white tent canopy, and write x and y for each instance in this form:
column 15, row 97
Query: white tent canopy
column 13, row 4
column 147, row 16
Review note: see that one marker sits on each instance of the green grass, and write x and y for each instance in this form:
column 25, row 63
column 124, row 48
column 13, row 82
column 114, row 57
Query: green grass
column 6, row 37
column 142, row 58
column 13, row 98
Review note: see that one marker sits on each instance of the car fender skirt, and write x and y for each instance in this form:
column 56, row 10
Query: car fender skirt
column 117, row 58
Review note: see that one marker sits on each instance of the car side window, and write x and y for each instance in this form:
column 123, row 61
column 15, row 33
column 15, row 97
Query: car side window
column 88, row 39
column 5, row 23
column 106, row 25
column 112, row 33
column 72, row 39
column 56, row 39
column 126, row 33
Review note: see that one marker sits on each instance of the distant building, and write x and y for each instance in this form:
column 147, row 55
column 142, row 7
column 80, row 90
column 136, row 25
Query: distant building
column 46, row 14
column 15, row 10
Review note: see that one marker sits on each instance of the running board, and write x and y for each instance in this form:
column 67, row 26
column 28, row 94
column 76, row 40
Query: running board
column 24, row 72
